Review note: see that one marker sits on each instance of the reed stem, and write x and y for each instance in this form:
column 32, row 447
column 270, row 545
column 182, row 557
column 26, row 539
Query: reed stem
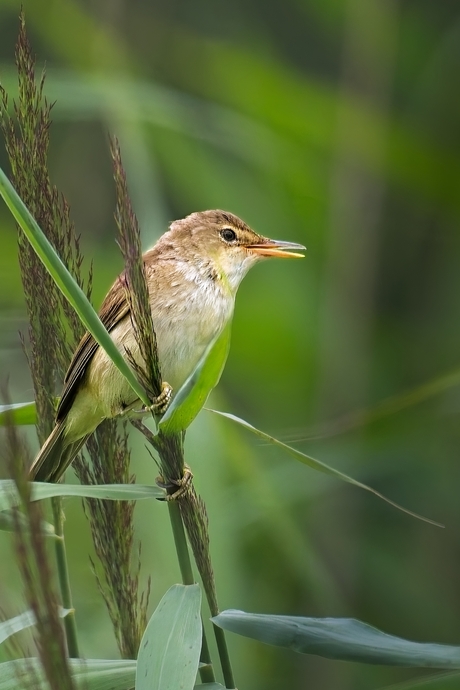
column 70, row 624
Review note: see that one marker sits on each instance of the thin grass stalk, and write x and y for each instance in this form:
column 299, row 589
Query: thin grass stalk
column 180, row 542
column 224, row 657
column 70, row 624
column 206, row 672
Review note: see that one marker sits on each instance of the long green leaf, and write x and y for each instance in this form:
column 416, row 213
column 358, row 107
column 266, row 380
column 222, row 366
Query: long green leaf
column 191, row 397
column 169, row 652
column 346, row 639
column 111, row 492
column 88, row 674
column 18, row 413
column 21, row 622
column 319, row 466
column 73, row 293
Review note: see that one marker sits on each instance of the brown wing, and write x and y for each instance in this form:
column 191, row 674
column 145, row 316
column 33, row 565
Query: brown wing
column 113, row 309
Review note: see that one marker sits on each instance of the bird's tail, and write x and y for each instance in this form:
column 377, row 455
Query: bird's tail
column 54, row 456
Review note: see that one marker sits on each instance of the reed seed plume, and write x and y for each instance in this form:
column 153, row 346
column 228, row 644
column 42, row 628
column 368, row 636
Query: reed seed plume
column 26, row 130
column 112, row 529
column 135, row 281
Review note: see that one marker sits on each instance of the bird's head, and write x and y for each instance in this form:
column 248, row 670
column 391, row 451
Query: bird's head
column 225, row 242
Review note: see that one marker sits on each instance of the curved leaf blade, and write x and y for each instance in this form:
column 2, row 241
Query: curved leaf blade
column 87, row 674
column 319, row 465
column 169, row 652
column 110, row 492
column 65, row 282
column 191, row 397
column 18, row 413
column 346, row 639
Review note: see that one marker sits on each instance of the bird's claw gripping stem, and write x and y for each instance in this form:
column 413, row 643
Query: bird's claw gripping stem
column 182, row 484
column 161, row 403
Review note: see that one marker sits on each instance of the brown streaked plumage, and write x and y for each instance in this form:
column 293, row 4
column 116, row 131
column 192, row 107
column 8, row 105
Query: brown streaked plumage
column 193, row 273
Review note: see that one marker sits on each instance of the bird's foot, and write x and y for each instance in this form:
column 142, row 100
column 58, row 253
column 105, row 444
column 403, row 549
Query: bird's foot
column 182, row 484
column 161, row 403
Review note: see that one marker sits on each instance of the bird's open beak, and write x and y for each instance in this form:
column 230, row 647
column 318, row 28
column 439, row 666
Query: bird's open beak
column 276, row 248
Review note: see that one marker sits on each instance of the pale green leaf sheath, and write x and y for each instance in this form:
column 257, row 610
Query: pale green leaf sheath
column 170, row 648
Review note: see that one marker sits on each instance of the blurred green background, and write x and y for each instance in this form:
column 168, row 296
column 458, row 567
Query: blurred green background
column 328, row 122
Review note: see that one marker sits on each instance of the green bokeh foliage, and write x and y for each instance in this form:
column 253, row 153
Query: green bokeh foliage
column 334, row 124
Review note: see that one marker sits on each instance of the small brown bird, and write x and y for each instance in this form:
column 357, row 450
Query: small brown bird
column 193, row 273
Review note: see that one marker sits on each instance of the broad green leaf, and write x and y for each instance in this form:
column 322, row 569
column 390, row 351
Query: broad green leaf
column 87, row 674
column 61, row 276
column 18, row 413
column 8, row 523
column 318, row 465
column 169, row 652
column 21, row 622
column 110, row 492
column 191, row 397
column 346, row 639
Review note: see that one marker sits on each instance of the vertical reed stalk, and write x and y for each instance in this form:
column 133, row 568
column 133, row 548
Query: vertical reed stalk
column 64, row 582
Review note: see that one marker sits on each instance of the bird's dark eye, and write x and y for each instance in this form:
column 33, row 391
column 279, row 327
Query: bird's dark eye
column 228, row 235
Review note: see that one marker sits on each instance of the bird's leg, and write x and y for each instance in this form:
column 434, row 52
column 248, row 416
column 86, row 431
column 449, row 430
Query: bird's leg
column 182, row 484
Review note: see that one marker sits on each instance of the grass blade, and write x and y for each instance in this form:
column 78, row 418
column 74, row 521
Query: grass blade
column 320, row 466
column 73, row 293
column 111, row 492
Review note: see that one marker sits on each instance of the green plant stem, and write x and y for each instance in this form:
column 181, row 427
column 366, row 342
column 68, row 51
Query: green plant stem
column 180, row 541
column 64, row 582
column 224, row 657
column 207, row 672
column 185, row 565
